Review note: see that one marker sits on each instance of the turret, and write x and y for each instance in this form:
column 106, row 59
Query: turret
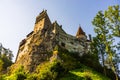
column 42, row 21
column 81, row 34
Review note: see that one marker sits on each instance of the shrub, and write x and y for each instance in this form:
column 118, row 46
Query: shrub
column 32, row 76
column 69, row 62
column 49, row 70
column 2, row 77
column 21, row 76
column 17, row 74
column 92, row 61
column 87, row 77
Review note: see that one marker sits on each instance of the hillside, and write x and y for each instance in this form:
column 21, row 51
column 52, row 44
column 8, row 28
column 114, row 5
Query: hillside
column 84, row 73
column 63, row 65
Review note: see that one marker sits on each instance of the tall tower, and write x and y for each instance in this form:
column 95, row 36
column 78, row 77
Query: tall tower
column 42, row 21
column 81, row 34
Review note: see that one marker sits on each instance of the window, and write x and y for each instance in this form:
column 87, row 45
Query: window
column 63, row 44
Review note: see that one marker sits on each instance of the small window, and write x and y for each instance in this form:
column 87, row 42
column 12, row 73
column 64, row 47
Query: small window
column 63, row 44
column 71, row 43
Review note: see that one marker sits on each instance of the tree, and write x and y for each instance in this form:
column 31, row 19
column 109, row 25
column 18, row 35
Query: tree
column 101, row 38
column 107, row 27
column 113, row 15
column 5, row 58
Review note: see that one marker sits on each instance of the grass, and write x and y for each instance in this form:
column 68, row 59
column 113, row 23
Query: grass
column 84, row 73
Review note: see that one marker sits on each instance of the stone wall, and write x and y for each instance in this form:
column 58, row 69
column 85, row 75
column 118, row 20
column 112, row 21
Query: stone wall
column 69, row 42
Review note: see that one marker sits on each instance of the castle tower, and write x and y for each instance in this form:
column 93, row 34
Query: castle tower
column 42, row 21
column 81, row 34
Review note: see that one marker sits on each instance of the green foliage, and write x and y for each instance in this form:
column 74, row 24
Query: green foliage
column 107, row 27
column 2, row 77
column 113, row 16
column 55, row 69
column 5, row 58
column 18, row 74
column 6, row 61
column 49, row 70
column 62, row 62
column 32, row 76
column 1, row 65
column 91, row 60
column 84, row 73
column 56, row 48
column 69, row 60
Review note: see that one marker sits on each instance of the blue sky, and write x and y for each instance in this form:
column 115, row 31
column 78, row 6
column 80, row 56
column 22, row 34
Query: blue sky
column 17, row 17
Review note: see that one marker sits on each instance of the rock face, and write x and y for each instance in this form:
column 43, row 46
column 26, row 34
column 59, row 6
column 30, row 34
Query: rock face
column 38, row 44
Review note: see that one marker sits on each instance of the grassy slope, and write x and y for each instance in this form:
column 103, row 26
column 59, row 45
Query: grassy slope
column 84, row 73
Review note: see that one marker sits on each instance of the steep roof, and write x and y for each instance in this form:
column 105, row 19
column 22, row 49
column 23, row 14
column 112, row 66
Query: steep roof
column 80, row 32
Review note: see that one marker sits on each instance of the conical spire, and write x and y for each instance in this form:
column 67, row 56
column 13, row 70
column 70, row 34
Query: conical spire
column 80, row 32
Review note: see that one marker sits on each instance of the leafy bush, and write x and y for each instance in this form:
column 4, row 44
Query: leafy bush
column 87, row 77
column 5, row 58
column 92, row 61
column 6, row 61
column 2, row 77
column 69, row 62
column 49, row 70
column 17, row 74
column 83, row 73
column 32, row 76
column 21, row 76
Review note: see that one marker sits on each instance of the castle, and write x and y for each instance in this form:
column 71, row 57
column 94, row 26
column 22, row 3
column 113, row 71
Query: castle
column 45, row 37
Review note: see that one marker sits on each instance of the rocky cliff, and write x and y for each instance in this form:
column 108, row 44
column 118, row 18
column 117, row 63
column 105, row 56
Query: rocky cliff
column 38, row 44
